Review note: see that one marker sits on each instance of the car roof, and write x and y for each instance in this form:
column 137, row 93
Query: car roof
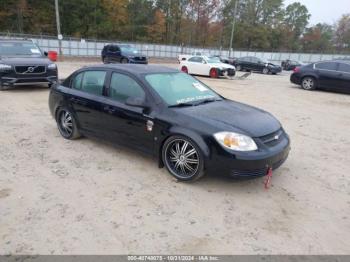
column 135, row 69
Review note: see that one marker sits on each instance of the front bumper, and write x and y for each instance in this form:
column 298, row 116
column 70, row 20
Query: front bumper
column 248, row 164
column 227, row 72
column 134, row 61
column 13, row 79
column 275, row 70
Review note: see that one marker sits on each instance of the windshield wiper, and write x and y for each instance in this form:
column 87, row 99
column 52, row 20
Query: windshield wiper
column 183, row 104
column 208, row 100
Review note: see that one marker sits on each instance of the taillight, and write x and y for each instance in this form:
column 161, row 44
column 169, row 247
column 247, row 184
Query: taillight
column 296, row 70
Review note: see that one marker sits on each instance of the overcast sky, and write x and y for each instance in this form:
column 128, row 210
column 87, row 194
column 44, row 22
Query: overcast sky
column 324, row 11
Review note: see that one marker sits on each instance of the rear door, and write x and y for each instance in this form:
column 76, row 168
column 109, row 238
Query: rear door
column 194, row 65
column 85, row 99
column 328, row 75
column 123, row 123
column 344, row 74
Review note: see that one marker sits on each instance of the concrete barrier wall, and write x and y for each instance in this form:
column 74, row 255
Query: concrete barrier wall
column 93, row 48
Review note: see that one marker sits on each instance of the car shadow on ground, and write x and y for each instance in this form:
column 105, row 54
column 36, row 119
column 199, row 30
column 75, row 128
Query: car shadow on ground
column 209, row 181
column 27, row 88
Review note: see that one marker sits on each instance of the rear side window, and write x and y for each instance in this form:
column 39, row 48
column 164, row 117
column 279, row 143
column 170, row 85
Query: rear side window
column 90, row 82
column 76, row 83
column 327, row 66
column 195, row 59
column 344, row 68
column 122, row 87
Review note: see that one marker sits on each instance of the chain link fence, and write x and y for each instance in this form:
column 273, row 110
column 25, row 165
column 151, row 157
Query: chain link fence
column 76, row 47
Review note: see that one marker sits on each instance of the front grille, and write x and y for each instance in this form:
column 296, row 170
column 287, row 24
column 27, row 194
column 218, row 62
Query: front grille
column 249, row 173
column 273, row 138
column 32, row 69
column 140, row 58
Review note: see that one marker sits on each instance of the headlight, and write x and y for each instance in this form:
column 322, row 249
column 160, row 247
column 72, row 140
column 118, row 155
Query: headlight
column 52, row 66
column 235, row 141
column 4, row 67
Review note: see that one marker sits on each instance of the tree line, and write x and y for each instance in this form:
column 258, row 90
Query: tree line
column 259, row 24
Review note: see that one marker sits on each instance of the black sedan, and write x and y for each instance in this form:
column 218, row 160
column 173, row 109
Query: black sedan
column 327, row 75
column 250, row 63
column 173, row 116
column 23, row 63
column 122, row 53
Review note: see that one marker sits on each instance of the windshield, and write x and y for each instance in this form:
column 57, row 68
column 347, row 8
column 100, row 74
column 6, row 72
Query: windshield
column 178, row 88
column 19, row 49
column 213, row 59
column 129, row 49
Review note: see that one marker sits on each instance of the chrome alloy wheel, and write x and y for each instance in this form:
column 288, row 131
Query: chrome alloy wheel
column 308, row 83
column 182, row 158
column 66, row 123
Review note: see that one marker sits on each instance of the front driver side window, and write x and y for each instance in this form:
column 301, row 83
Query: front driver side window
column 122, row 87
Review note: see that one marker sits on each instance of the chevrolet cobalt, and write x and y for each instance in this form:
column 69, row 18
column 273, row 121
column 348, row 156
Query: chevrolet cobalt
column 185, row 125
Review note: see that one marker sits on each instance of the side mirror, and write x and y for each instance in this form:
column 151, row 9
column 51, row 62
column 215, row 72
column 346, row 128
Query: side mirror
column 45, row 53
column 136, row 102
column 204, row 62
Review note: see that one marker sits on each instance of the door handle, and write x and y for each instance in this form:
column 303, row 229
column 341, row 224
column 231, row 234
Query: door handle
column 78, row 101
column 110, row 109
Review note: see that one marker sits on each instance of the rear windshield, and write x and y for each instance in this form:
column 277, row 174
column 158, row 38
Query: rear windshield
column 19, row 49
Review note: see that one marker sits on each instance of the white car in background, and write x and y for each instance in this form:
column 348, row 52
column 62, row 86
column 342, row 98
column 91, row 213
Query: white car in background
column 207, row 66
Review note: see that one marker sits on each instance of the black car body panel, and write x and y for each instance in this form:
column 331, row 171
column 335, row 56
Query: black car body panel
column 122, row 53
column 102, row 117
column 329, row 75
column 26, row 70
column 255, row 64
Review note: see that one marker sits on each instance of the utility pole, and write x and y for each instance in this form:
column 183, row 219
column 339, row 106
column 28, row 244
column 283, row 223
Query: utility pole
column 58, row 24
column 233, row 26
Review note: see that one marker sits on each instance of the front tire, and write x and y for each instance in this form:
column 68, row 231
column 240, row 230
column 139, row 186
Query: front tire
column 239, row 68
column 105, row 60
column 266, row 71
column 67, row 124
column 124, row 61
column 183, row 158
column 213, row 73
column 308, row 83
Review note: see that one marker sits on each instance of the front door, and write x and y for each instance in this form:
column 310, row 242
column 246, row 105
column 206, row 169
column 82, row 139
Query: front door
column 328, row 75
column 123, row 123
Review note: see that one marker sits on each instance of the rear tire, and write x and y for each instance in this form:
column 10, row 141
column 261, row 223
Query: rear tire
column 3, row 88
column 239, row 68
column 184, row 69
column 308, row 83
column 105, row 60
column 67, row 124
column 124, row 61
column 183, row 158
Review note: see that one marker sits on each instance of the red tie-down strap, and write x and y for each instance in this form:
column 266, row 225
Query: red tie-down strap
column 268, row 178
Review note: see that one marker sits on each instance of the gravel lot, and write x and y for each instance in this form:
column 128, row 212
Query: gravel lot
column 87, row 197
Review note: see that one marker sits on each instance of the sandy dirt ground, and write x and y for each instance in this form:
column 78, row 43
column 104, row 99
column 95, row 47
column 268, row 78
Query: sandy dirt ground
column 87, row 197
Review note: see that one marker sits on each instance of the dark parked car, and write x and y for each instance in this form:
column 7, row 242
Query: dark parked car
column 173, row 116
column 328, row 75
column 122, row 54
column 290, row 65
column 250, row 63
column 23, row 63
column 227, row 60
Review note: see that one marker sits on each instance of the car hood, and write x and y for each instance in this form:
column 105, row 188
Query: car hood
column 229, row 115
column 25, row 60
column 222, row 65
